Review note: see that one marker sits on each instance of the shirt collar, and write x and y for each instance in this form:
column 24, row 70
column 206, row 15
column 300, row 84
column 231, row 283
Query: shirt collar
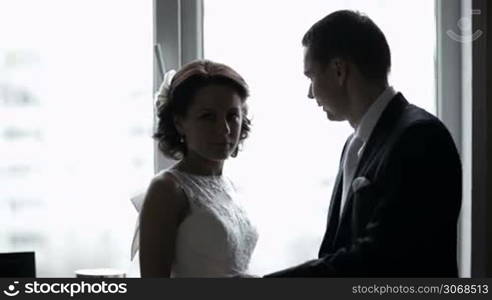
column 372, row 115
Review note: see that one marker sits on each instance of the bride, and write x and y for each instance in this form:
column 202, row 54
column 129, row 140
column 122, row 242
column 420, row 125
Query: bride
column 190, row 224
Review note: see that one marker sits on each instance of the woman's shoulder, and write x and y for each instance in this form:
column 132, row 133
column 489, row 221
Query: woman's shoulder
column 164, row 190
column 164, row 180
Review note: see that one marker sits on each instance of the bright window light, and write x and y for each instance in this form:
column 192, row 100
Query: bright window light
column 75, row 130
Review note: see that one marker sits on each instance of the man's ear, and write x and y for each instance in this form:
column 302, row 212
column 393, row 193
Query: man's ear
column 340, row 67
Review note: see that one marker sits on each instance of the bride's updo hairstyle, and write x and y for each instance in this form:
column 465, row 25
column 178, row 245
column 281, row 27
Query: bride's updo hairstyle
column 185, row 84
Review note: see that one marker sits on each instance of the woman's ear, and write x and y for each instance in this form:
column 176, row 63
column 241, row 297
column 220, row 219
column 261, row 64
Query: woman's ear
column 178, row 123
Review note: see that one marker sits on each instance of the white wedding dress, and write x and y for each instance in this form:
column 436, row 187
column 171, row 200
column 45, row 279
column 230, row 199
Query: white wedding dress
column 216, row 238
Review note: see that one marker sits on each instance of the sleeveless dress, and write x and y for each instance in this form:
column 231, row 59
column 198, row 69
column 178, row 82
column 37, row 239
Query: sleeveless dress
column 216, row 238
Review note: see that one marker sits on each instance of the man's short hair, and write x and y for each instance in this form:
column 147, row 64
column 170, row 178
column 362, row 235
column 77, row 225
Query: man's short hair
column 353, row 36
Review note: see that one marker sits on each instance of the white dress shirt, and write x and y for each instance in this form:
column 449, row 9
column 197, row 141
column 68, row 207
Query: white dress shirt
column 360, row 137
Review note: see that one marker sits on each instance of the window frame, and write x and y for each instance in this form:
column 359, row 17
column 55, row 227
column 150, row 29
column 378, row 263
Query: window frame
column 178, row 30
column 461, row 96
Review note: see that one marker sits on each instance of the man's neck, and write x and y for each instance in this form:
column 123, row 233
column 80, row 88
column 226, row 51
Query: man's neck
column 361, row 99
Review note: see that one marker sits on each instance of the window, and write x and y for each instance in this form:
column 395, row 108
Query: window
column 288, row 166
column 75, row 136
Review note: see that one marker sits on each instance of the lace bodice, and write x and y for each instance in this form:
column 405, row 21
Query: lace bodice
column 216, row 238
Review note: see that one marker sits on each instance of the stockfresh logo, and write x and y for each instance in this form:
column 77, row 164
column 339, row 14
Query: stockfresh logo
column 11, row 290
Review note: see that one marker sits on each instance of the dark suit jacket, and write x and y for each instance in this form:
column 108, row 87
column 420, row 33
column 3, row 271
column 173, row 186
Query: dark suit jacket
column 404, row 223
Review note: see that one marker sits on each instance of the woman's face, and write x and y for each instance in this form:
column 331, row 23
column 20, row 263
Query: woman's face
column 211, row 127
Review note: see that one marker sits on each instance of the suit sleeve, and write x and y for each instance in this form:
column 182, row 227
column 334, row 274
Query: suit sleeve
column 419, row 199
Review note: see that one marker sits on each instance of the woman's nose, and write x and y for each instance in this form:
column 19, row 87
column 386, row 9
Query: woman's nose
column 224, row 127
column 310, row 91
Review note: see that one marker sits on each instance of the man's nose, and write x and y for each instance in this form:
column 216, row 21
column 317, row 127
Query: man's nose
column 310, row 91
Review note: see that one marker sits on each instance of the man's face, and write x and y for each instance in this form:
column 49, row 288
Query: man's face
column 327, row 86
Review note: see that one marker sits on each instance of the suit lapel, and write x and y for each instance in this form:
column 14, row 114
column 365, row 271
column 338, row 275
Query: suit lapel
column 376, row 142
column 334, row 210
column 336, row 198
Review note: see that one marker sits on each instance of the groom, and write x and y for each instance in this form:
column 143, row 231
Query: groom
column 397, row 196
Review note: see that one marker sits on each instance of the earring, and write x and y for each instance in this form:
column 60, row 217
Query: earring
column 181, row 139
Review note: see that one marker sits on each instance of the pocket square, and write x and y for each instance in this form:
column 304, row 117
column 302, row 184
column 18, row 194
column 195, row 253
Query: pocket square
column 359, row 183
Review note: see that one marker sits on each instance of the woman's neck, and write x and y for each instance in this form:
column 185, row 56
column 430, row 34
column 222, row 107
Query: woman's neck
column 197, row 165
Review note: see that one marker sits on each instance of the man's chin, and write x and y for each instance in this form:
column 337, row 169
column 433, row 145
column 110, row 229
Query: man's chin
column 333, row 117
